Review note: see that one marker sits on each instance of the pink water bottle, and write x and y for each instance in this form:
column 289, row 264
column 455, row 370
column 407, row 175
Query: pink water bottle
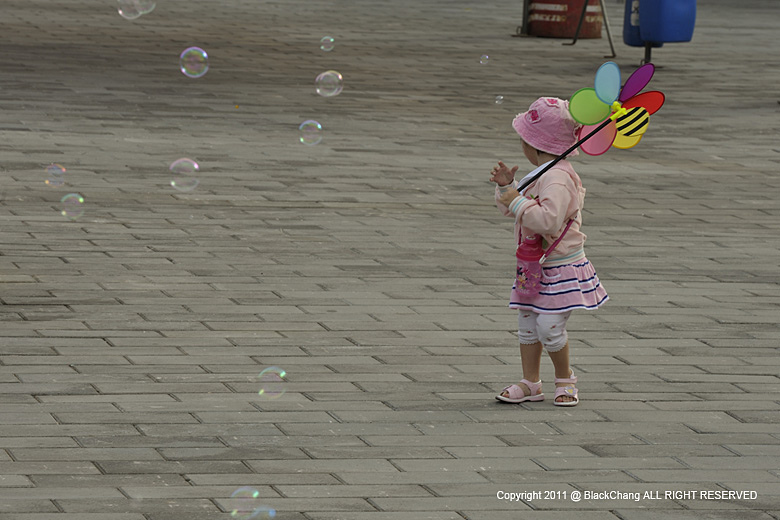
column 529, row 270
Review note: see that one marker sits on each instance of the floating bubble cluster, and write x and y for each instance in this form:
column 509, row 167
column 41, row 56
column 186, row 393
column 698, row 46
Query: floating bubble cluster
column 327, row 43
column 246, row 505
column 271, row 383
column 194, row 62
column 311, row 132
column 184, row 174
column 329, row 83
column 72, row 206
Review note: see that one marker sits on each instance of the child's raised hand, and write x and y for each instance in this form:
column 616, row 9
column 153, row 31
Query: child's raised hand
column 502, row 175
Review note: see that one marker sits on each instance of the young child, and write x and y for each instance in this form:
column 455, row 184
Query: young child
column 568, row 280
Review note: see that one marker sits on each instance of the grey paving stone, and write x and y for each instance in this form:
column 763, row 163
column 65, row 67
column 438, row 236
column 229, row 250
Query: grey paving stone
column 222, row 492
column 111, row 481
column 65, row 516
column 124, row 418
column 354, row 491
column 455, row 439
column 742, row 462
column 155, row 467
column 47, row 468
column 739, row 428
column 124, row 505
column 93, row 454
column 46, row 389
column 262, row 453
column 37, row 506
column 734, row 439
column 300, row 441
column 701, row 475
column 722, row 405
column 54, row 493
column 543, row 412
column 686, row 515
column 663, row 450
column 540, row 476
column 447, row 503
column 259, row 479
column 14, row 481
column 517, row 452
column 765, row 450
column 536, row 514
column 455, row 465
column 718, row 417
column 422, row 515
column 113, row 398
column 605, row 462
column 234, row 428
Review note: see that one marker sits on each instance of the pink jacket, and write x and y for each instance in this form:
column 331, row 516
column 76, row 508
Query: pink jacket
column 558, row 195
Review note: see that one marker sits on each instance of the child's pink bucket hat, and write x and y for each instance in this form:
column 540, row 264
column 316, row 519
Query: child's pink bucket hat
column 548, row 126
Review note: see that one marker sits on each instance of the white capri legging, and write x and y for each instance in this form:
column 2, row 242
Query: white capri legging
column 550, row 329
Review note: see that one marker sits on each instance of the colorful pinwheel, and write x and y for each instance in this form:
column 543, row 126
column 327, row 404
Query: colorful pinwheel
column 610, row 115
column 627, row 110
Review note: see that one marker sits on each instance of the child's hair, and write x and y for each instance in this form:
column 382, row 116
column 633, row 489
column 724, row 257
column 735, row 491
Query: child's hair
column 548, row 126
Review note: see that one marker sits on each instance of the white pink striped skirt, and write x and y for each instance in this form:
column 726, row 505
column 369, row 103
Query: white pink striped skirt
column 564, row 288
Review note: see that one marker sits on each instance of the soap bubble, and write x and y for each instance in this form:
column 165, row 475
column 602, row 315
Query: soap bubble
column 194, row 62
column 72, row 206
column 132, row 9
column 246, row 505
column 271, row 382
column 147, row 6
column 311, row 132
column 55, row 174
column 129, row 9
column 184, row 174
column 499, row 100
column 327, row 43
column 484, row 59
column 329, row 83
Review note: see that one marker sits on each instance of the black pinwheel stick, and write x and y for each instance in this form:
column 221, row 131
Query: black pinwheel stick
column 564, row 154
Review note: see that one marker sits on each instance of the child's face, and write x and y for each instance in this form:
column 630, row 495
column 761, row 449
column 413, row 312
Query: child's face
column 530, row 152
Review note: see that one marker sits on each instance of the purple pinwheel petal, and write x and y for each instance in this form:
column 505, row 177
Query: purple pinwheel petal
column 637, row 81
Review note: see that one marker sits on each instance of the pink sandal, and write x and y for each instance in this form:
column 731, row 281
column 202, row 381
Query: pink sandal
column 517, row 395
column 570, row 391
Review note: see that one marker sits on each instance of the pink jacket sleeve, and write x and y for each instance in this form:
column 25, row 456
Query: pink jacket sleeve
column 501, row 207
column 546, row 213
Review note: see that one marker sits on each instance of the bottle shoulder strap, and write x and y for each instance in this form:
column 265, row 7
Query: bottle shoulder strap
column 555, row 244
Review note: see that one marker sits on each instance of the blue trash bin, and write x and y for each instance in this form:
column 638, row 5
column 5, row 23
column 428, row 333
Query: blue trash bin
column 667, row 20
column 631, row 25
column 651, row 23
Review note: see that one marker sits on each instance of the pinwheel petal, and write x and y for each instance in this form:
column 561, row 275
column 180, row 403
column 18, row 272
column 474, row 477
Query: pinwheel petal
column 637, row 81
column 624, row 142
column 599, row 142
column 650, row 101
column 587, row 108
column 607, row 83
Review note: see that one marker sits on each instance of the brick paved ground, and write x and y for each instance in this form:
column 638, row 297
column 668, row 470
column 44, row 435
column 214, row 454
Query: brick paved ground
column 372, row 267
